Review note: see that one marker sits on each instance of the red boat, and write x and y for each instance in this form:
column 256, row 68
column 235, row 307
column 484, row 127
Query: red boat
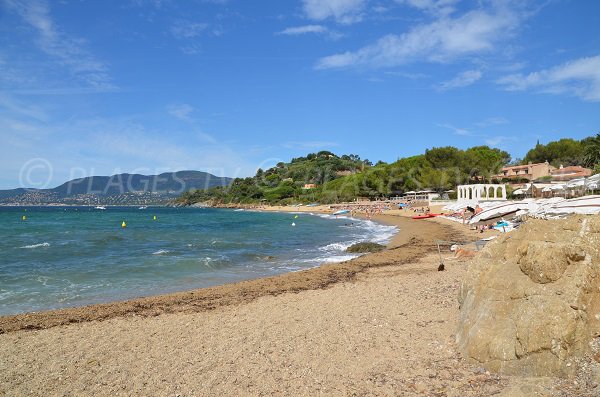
column 424, row 216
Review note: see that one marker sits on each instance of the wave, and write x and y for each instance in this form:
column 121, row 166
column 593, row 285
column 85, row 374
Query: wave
column 36, row 245
column 161, row 252
column 337, row 246
column 336, row 258
column 377, row 232
column 219, row 262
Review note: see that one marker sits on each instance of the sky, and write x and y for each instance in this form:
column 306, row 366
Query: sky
column 229, row 86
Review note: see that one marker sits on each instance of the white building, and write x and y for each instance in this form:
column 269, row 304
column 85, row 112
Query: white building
column 481, row 192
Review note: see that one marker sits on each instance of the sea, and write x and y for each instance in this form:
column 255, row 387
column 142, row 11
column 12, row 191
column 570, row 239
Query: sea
column 57, row 257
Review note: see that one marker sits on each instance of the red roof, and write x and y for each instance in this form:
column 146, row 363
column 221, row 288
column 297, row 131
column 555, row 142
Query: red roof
column 572, row 169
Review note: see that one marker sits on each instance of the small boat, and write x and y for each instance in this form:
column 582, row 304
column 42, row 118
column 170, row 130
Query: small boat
column 341, row 212
column 424, row 216
column 143, row 207
column 586, row 205
column 100, row 207
column 501, row 210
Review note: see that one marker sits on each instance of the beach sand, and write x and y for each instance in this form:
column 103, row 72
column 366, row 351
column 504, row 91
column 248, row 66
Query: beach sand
column 379, row 325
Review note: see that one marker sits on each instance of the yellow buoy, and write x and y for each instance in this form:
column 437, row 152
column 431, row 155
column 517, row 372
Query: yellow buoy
column 123, row 225
column 24, row 217
column 296, row 217
column 154, row 217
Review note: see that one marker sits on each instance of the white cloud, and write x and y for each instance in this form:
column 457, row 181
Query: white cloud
column 442, row 40
column 491, row 121
column 499, row 140
column 66, row 50
column 457, row 131
column 181, row 111
column 464, row 79
column 343, row 11
column 103, row 146
column 442, row 7
column 297, row 30
column 187, row 29
column 579, row 77
column 10, row 106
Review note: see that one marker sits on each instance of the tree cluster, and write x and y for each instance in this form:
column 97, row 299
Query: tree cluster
column 347, row 177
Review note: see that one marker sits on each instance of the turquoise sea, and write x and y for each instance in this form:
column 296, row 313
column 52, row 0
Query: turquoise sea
column 71, row 256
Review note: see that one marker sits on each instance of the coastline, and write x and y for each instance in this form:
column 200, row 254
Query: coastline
column 415, row 239
column 380, row 324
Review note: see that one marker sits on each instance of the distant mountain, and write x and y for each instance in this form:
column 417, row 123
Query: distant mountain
column 117, row 189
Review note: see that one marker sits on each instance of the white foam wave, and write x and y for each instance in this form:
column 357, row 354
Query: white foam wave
column 378, row 233
column 36, row 245
column 329, row 216
column 337, row 246
column 161, row 252
column 336, row 258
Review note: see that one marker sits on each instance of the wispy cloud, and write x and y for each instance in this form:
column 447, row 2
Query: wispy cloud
column 64, row 49
column 445, row 39
column 187, row 29
column 456, row 130
column 97, row 146
column 14, row 107
column 298, row 30
column 407, row 75
column 181, row 111
column 342, row 11
column 579, row 77
column 440, row 7
column 499, row 140
column 491, row 121
column 311, row 29
column 464, row 79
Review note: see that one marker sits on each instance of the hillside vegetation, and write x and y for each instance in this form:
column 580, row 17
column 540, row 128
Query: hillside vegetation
column 346, row 177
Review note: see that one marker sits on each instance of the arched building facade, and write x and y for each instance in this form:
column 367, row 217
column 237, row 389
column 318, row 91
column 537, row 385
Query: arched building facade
column 482, row 191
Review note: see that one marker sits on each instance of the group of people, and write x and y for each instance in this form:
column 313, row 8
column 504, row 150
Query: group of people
column 422, row 210
column 369, row 210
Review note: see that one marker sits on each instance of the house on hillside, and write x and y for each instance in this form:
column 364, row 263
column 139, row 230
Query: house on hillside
column 529, row 171
column 570, row 172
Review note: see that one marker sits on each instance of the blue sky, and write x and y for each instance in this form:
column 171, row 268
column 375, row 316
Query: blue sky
column 227, row 86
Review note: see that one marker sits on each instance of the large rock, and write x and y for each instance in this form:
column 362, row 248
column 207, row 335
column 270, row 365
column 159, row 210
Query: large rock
column 530, row 303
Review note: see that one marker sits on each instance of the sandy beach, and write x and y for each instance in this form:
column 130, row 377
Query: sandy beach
column 383, row 324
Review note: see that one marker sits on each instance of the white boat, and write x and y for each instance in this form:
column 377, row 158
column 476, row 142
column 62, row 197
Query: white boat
column 586, row 205
column 341, row 212
column 143, row 207
column 500, row 211
column 100, row 207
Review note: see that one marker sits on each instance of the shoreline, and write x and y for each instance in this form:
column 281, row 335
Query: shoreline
column 415, row 239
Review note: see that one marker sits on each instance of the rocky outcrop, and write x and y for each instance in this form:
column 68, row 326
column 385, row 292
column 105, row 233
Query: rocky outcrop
column 530, row 303
column 365, row 247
